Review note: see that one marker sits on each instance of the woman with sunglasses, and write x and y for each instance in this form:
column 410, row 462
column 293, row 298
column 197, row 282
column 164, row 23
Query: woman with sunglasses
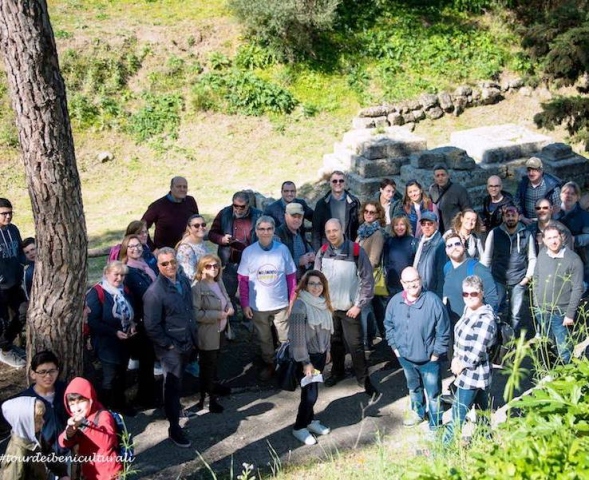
column 371, row 237
column 468, row 225
column 415, row 201
column 138, row 279
column 192, row 246
column 212, row 308
column 474, row 335
column 310, row 329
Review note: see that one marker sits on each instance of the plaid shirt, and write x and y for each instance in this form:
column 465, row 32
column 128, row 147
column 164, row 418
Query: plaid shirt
column 474, row 333
column 533, row 194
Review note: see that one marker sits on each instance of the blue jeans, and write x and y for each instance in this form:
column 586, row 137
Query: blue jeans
column 464, row 399
column 420, row 377
column 551, row 326
column 515, row 295
column 368, row 322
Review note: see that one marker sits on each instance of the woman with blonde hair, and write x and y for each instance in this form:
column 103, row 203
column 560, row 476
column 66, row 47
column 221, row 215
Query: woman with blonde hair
column 212, row 308
column 310, row 329
column 467, row 224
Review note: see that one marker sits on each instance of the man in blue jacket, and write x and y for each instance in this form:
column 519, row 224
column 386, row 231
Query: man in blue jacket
column 418, row 331
column 170, row 325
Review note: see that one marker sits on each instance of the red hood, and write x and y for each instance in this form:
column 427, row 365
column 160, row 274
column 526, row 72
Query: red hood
column 83, row 387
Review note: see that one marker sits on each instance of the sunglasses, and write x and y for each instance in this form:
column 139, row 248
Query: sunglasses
column 199, row 225
column 239, row 207
column 370, row 212
column 210, row 266
column 169, row 262
column 6, row 214
column 453, row 245
column 338, row 181
column 542, row 208
column 470, row 294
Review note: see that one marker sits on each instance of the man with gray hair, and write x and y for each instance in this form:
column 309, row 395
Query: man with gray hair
column 171, row 326
column 267, row 278
column 233, row 230
column 169, row 214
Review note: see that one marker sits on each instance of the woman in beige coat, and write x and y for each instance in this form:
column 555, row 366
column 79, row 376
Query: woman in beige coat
column 212, row 308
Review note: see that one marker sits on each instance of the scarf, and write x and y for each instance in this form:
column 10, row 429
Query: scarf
column 318, row 315
column 367, row 229
column 143, row 266
column 121, row 308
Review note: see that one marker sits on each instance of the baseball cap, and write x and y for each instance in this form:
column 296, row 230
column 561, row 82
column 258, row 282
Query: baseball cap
column 295, row 209
column 429, row 216
column 534, row 162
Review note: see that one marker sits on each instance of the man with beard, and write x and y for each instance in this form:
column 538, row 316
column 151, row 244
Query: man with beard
column 450, row 197
column 511, row 255
column 290, row 233
column 233, row 230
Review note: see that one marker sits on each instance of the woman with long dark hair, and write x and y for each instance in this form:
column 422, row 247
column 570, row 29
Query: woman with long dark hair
column 310, row 329
column 415, row 202
column 192, row 246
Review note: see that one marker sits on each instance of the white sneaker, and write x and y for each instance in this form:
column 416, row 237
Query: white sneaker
column 133, row 364
column 12, row 359
column 304, row 436
column 318, row 429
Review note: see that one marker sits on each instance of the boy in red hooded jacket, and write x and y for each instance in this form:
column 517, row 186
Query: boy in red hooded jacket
column 93, row 429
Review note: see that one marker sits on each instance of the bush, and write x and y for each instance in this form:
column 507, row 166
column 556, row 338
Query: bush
column 160, row 115
column 292, row 28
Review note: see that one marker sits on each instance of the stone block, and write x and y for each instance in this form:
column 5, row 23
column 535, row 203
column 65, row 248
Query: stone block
column 414, row 104
column 363, row 188
column 378, row 168
column 419, row 114
column 408, row 117
column 445, row 100
column 498, row 143
column 490, row 95
column 395, row 142
column 463, row 91
column 395, row 119
column 376, row 111
column 428, row 100
column 427, row 159
column 381, row 122
column 362, row 122
column 557, row 151
column 434, row 113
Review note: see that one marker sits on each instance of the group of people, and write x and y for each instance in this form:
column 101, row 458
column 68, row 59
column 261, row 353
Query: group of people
column 423, row 270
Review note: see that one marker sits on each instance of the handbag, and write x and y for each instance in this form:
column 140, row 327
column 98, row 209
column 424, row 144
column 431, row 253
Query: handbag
column 286, row 369
column 380, row 281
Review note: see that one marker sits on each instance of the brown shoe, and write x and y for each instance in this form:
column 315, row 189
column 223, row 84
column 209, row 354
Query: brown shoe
column 266, row 373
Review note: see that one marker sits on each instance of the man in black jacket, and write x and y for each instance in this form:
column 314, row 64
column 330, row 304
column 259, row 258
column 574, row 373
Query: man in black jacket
column 338, row 203
column 277, row 209
column 291, row 235
column 170, row 324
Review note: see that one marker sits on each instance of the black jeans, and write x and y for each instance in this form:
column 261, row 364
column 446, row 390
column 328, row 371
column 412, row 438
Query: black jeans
column 12, row 317
column 173, row 364
column 142, row 350
column 113, row 384
column 347, row 333
column 309, row 393
column 208, row 360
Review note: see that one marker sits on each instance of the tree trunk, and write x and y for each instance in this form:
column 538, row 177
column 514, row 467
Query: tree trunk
column 38, row 97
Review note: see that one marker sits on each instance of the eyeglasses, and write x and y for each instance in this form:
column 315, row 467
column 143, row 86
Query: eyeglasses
column 314, row 284
column 135, row 247
column 493, row 186
column 199, row 225
column 411, row 282
column 470, row 294
column 239, row 207
column 542, row 208
column 169, row 262
column 453, row 245
column 370, row 212
column 338, row 180
column 262, row 229
column 210, row 266
column 6, row 214
column 44, row 373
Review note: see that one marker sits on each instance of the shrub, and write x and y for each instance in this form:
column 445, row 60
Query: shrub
column 160, row 115
column 292, row 28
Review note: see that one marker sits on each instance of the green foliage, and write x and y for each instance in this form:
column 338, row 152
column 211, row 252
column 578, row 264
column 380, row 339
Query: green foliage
column 252, row 56
column 236, row 91
column 573, row 112
column 160, row 115
column 291, row 28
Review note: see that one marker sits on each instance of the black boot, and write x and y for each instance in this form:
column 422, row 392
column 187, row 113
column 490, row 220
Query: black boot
column 215, row 406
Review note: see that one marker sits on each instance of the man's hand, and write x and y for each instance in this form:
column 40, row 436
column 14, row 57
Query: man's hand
column 457, row 366
column 525, row 281
column 226, row 239
column 308, row 370
column 567, row 322
column 248, row 312
column 353, row 312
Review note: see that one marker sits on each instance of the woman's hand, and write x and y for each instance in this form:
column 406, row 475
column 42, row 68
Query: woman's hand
column 457, row 366
column 122, row 335
column 230, row 311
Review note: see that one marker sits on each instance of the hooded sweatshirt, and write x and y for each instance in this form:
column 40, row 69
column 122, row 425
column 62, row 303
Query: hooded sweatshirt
column 20, row 413
column 96, row 436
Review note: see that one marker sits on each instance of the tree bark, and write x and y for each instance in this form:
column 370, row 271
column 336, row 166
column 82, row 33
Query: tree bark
column 38, row 97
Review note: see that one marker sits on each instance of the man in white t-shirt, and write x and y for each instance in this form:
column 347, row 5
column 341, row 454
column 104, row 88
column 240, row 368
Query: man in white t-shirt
column 267, row 278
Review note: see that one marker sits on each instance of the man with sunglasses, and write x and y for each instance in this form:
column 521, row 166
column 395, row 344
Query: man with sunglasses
column 12, row 295
column 535, row 185
column 233, row 229
column 337, row 203
column 456, row 270
column 170, row 324
column 511, row 255
column 169, row 214
column 544, row 211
